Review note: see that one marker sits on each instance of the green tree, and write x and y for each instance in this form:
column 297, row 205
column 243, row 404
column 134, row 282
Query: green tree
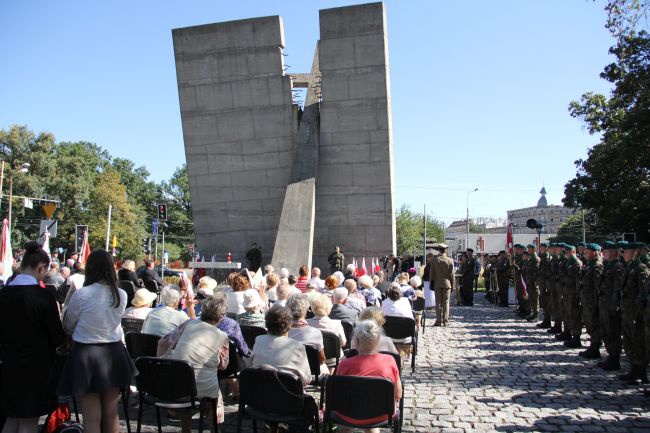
column 409, row 226
column 176, row 193
column 614, row 181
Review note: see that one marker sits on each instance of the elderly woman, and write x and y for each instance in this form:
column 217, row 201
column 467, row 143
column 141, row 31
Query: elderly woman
column 371, row 295
column 300, row 329
column 369, row 362
column 272, row 281
column 205, row 347
column 355, row 299
column 311, row 290
column 127, row 273
column 253, row 315
column 395, row 304
column 385, row 343
column 331, row 283
column 406, row 289
column 163, row 320
column 140, row 305
column 321, row 306
column 278, row 350
column 282, row 293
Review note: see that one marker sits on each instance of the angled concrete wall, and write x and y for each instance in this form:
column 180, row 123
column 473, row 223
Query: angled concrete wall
column 239, row 128
column 354, row 187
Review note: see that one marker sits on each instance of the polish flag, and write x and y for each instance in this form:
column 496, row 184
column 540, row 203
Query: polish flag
column 372, row 265
column 85, row 249
column 509, row 239
column 364, row 270
column 377, row 267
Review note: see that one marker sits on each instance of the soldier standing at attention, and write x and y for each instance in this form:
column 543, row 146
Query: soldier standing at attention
column 519, row 290
column 503, row 278
column 556, row 298
column 441, row 278
column 590, row 281
column 531, row 275
column 609, row 315
column 634, row 281
column 467, row 278
column 565, row 334
column 543, row 279
column 571, row 295
column 643, row 254
column 336, row 260
column 580, row 254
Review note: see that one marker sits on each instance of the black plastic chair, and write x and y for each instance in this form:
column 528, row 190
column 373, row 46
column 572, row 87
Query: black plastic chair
column 399, row 328
column 234, row 363
column 139, row 344
column 129, row 288
column 313, row 358
column 274, row 397
column 131, row 325
column 332, row 348
column 361, row 398
column 250, row 333
column 348, row 329
column 152, row 286
column 170, row 384
column 418, row 307
column 61, row 292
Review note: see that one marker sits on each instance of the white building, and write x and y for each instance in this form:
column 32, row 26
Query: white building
column 550, row 216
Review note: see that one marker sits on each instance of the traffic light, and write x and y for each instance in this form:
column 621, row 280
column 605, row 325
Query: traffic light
column 162, row 211
column 146, row 245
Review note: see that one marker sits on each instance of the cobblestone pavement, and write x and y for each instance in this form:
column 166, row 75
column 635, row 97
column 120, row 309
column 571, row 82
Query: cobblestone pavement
column 490, row 372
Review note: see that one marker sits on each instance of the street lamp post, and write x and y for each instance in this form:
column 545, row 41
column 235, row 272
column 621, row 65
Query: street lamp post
column 467, row 220
column 24, row 168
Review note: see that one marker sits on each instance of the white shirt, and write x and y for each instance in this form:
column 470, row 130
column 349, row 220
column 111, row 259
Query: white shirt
column 399, row 308
column 137, row 313
column 91, row 318
column 76, row 280
column 163, row 320
column 318, row 281
column 283, row 353
column 324, row 323
column 236, row 301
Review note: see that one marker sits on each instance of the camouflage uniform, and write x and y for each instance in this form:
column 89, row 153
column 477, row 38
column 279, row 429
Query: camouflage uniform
column 609, row 315
column 631, row 313
column 503, row 280
column 571, row 298
column 543, row 281
column 592, row 275
column 531, row 273
column 522, row 303
column 561, row 317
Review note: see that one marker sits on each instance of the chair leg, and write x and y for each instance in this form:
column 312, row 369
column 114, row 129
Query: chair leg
column 201, row 416
column 140, row 401
column 125, row 402
column 215, row 425
column 76, row 408
column 158, row 419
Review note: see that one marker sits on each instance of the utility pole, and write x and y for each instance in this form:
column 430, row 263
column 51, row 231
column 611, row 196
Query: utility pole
column 108, row 225
column 424, row 249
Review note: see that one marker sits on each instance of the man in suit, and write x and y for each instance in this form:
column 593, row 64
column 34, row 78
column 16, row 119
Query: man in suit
column 341, row 310
column 150, row 274
column 467, row 278
column 441, row 279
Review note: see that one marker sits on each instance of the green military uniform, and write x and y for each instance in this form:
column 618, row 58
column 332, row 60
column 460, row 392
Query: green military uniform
column 571, row 298
column 556, row 313
column 632, row 325
column 336, row 261
column 565, row 333
column 531, row 273
column 609, row 315
column 522, row 304
column 503, row 280
column 590, row 281
column 543, row 279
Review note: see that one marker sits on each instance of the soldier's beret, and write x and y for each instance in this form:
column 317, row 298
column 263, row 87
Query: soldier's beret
column 502, row 252
column 569, row 247
column 628, row 246
column 545, row 244
column 622, row 244
column 531, row 246
column 470, row 250
column 518, row 246
column 582, row 244
column 593, row 247
column 609, row 245
column 641, row 245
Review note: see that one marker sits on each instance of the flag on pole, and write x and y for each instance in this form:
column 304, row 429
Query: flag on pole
column 356, row 266
column 377, row 267
column 372, row 265
column 509, row 239
column 363, row 270
column 85, row 249
column 46, row 242
column 6, row 256
column 524, row 292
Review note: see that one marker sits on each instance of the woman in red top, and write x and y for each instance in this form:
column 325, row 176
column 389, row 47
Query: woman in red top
column 301, row 284
column 369, row 363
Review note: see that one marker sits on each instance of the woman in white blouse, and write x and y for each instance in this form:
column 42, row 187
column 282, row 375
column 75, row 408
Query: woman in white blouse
column 98, row 364
column 395, row 304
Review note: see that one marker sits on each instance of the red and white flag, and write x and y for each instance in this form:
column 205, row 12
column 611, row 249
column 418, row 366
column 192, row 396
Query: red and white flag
column 377, row 267
column 85, row 249
column 509, row 239
column 363, row 270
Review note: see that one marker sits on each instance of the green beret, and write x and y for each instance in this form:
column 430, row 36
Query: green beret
column 593, row 247
column 531, row 246
column 569, row 247
column 609, row 245
column 628, row 245
column 622, row 244
column 641, row 245
column 518, row 246
column 545, row 244
column 582, row 244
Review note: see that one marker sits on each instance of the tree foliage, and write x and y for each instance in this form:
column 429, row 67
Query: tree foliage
column 410, row 230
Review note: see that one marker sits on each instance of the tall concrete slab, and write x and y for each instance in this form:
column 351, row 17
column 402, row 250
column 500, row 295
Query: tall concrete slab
column 239, row 126
column 354, row 186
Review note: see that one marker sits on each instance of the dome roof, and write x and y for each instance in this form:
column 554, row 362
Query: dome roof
column 542, row 200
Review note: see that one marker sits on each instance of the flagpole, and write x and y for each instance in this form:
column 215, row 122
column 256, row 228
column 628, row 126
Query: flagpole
column 108, row 225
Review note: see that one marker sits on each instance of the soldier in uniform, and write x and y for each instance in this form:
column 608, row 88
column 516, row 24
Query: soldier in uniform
column 609, row 315
column 441, row 278
column 467, row 278
column 636, row 274
column 643, row 254
column 522, row 304
column 543, row 279
column 590, row 281
column 554, row 267
column 503, row 278
column 531, row 275
column 571, row 297
column 565, row 334
column 580, row 251
column 336, row 260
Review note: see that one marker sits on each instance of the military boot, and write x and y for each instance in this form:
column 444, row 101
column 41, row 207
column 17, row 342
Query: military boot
column 573, row 342
column 545, row 324
column 630, row 375
column 556, row 329
column 611, row 363
column 563, row 336
column 593, row 352
column 638, row 374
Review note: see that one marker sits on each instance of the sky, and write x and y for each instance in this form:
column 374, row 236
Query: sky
column 480, row 88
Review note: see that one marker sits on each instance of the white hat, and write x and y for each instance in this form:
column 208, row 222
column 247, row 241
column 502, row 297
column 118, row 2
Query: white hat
column 251, row 300
column 207, row 292
column 207, row 283
column 143, row 297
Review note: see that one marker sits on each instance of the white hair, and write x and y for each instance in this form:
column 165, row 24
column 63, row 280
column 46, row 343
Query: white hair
column 283, row 289
column 365, row 282
column 170, row 295
column 284, row 273
column 268, row 269
column 350, row 268
column 298, row 304
column 339, row 276
column 315, row 272
column 339, row 295
column 415, row 281
column 367, row 334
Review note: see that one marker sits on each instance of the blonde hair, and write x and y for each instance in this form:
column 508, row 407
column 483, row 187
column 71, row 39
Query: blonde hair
column 373, row 313
column 321, row 305
column 129, row 265
column 402, row 278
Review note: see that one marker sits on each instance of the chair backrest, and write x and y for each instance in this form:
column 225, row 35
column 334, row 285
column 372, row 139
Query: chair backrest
column 129, row 288
column 62, row 291
column 132, row 325
column 418, row 304
column 165, row 379
column 398, row 359
column 332, row 345
column 360, row 397
column 250, row 333
column 138, row 344
column 399, row 327
column 313, row 357
column 271, row 392
column 151, row 285
column 348, row 329
column 233, row 362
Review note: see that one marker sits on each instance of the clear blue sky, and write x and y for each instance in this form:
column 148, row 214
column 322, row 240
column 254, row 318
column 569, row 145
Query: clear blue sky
column 480, row 88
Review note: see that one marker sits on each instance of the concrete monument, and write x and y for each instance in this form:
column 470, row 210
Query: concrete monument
column 296, row 180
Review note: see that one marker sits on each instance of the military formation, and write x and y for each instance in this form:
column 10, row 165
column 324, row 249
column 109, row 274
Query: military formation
column 603, row 289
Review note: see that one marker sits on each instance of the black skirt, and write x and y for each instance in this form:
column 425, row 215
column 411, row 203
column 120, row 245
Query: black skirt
column 96, row 368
